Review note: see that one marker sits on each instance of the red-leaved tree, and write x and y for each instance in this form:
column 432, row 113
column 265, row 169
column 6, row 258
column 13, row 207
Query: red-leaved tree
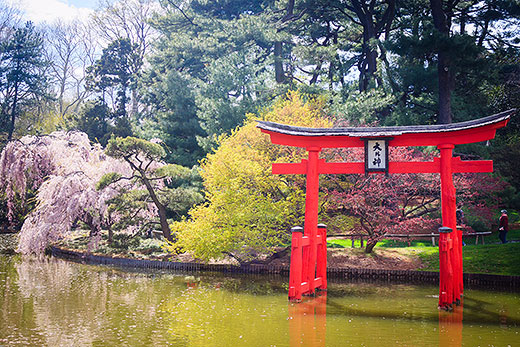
column 401, row 203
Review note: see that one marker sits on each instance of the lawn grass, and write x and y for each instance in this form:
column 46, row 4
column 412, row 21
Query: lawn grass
column 347, row 243
column 490, row 258
column 342, row 243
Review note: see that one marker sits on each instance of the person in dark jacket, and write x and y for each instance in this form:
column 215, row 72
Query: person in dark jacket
column 503, row 226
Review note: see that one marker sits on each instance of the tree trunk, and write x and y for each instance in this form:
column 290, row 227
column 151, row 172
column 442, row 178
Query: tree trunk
column 290, row 8
column 445, row 86
column 483, row 34
column 278, row 52
column 121, row 108
column 370, row 246
column 368, row 67
column 278, row 63
column 444, row 73
column 371, row 52
column 277, row 255
column 463, row 22
column 331, row 76
column 110, row 234
column 316, row 74
column 13, row 113
column 63, row 82
column 135, row 102
column 94, row 229
column 165, row 228
column 373, row 26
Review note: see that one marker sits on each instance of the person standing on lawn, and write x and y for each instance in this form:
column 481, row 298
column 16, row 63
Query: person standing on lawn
column 460, row 219
column 503, row 226
column 460, row 215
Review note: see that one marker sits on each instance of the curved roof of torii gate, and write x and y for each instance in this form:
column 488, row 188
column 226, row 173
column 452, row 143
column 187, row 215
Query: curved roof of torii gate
column 476, row 130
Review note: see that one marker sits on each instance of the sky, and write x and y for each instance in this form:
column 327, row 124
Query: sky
column 39, row 11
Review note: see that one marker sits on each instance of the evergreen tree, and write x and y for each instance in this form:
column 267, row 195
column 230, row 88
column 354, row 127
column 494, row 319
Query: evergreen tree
column 172, row 117
column 473, row 58
column 94, row 120
column 22, row 80
column 237, row 55
column 225, row 51
column 117, row 68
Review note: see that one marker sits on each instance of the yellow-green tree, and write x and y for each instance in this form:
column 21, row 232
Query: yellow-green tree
column 250, row 211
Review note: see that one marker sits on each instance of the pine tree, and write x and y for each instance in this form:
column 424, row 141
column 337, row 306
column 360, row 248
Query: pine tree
column 21, row 75
column 117, row 68
column 172, row 117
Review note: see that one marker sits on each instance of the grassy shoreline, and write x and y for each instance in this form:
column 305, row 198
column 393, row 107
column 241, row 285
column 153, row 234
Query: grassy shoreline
column 490, row 258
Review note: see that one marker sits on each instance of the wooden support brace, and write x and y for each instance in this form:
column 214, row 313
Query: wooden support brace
column 296, row 267
column 321, row 266
column 434, row 166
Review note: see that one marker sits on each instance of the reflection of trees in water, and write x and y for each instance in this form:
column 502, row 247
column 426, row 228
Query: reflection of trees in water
column 219, row 313
column 79, row 305
column 16, row 313
column 478, row 311
column 53, row 302
column 73, row 304
column 66, row 311
column 8, row 243
column 252, row 284
column 401, row 300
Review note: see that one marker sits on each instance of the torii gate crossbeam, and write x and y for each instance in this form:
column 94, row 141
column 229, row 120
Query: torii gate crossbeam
column 444, row 137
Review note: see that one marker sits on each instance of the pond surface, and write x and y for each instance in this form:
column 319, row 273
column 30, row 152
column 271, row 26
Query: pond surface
column 51, row 302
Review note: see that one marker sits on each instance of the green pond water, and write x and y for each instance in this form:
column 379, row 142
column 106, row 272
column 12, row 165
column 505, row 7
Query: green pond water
column 52, row 302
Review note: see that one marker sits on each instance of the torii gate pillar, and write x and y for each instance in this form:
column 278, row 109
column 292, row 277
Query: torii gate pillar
column 311, row 214
column 452, row 279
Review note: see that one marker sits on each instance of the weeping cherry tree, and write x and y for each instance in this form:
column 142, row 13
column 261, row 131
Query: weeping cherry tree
column 63, row 169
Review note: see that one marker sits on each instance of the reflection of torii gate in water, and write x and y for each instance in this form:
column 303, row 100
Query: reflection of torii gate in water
column 307, row 264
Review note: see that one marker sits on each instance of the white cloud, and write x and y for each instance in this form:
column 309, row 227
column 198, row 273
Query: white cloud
column 40, row 11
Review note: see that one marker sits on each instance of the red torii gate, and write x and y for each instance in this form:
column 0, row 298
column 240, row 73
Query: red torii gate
column 308, row 268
